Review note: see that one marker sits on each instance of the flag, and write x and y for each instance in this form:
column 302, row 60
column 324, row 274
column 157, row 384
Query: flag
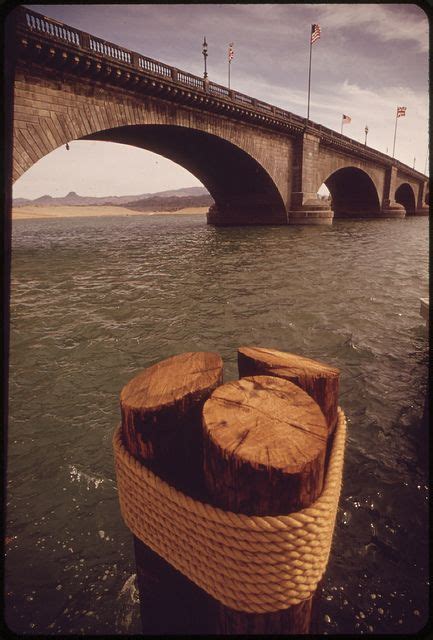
column 231, row 52
column 347, row 119
column 315, row 33
column 401, row 111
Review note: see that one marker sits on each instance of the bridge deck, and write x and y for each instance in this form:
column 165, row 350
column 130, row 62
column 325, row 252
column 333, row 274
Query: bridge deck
column 238, row 104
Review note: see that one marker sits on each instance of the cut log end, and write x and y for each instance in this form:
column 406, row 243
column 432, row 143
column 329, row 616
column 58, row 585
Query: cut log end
column 280, row 359
column 168, row 382
column 265, row 437
column 161, row 415
column 319, row 380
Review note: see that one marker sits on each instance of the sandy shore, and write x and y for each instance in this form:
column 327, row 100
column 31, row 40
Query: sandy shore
column 26, row 213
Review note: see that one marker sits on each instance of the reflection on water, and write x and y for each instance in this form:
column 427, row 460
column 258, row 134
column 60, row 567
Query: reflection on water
column 96, row 300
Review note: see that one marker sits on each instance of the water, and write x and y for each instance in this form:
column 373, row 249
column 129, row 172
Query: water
column 96, row 300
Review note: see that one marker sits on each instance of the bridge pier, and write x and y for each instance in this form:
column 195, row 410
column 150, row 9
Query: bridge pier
column 313, row 211
column 422, row 211
column 228, row 215
column 392, row 209
column 307, row 208
column 396, row 210
column 422, row 207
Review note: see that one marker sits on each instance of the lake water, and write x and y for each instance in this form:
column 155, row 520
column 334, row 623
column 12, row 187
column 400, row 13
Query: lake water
column 94, row 301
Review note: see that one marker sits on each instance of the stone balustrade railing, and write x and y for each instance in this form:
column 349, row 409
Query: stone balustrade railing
column 51, row 28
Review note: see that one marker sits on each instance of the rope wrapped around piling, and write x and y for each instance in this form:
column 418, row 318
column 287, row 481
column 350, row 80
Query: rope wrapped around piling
column 255, row 564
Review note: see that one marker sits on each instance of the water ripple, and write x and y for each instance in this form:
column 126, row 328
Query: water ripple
column 96, row 300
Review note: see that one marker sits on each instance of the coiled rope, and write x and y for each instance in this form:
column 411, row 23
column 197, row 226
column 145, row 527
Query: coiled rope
column 255, row 564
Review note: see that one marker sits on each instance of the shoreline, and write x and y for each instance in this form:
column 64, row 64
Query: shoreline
column 93, row 211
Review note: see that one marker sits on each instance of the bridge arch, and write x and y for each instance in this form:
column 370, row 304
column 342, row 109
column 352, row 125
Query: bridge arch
column 353, row 193
column 246, row 174
column 405, row 196
column 242, row 189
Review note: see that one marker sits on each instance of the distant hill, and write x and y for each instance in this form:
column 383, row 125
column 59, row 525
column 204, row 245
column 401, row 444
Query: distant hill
column 169, row 203
column 21, row 202
column 73, row 199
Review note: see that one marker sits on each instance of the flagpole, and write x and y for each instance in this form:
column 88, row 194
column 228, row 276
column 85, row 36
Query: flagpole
column 395, row 133
column 230, row 55
column 309, row 74
column 342, row 120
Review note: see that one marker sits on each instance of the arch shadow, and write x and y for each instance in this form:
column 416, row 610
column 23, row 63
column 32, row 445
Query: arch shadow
column 243, row 191
column 405, row 196
column 353, row 194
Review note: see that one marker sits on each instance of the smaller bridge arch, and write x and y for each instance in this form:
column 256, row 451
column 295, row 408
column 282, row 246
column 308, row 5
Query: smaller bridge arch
column 353, row 193
column 405, row 196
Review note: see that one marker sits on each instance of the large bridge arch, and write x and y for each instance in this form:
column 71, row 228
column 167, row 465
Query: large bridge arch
column 353, row 193
column 237, row 182
column 244, row 168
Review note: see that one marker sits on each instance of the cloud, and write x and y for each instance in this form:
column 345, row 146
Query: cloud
column 366, row 106
column 387, row 22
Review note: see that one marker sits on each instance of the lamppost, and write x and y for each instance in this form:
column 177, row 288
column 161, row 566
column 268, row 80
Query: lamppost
column 205, row 56
column 366, row 133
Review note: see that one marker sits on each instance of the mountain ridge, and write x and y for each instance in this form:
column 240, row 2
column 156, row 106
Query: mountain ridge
column 73, row 199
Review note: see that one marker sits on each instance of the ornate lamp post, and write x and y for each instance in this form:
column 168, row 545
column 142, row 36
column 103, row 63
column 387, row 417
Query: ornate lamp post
column 366, row 133
column 205, row 56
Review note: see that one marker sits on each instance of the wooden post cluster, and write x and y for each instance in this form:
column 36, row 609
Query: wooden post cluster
column 256, row 446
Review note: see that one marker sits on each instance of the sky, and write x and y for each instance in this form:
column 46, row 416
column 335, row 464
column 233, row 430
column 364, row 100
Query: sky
column 369, row 59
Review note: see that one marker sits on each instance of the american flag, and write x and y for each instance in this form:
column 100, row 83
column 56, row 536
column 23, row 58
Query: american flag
column 231, row 51
column 401, row 111
column 347, row 119
column 315, row 33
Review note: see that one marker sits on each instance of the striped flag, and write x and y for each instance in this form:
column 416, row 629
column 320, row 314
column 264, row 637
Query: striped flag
column 401, row 111
column 346, row 119
column 315, row 33
column 231, row 51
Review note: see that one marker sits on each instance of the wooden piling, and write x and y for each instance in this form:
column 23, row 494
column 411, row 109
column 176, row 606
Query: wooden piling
column 264, row 445
column 161, row 412
column 319, row 380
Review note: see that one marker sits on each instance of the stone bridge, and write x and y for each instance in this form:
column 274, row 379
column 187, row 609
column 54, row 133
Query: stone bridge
column 261, row 164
